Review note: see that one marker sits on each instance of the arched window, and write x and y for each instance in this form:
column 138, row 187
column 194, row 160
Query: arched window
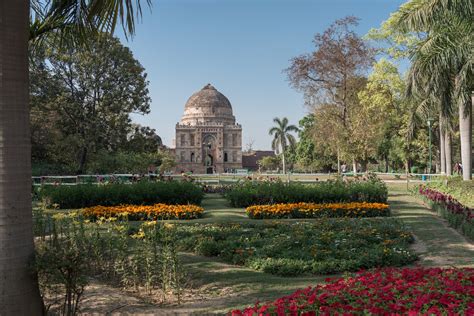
column 192, row 157
column 225, row 157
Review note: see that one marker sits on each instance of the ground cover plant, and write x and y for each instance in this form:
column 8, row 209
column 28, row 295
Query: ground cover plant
column 313, row 210
column 145, row 212
column 248, row 193
column 295, row 248
column 408, row 291
column 458, row 215
column 141, row 193
column 71, row 251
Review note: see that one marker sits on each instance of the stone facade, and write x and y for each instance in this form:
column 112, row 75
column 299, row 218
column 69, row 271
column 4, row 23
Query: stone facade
column 208, row 140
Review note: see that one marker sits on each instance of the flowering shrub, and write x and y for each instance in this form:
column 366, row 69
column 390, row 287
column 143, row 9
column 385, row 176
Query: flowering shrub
column 389, row 291
column 288, row 249
column 145, row 212
column 459, row 216
column 313, row 210
column 249, row 193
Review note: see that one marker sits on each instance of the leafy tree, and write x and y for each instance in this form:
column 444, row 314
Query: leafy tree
column 329, row 76
column 282, row 139
column 19, row 294
column 95, row 92
column 269, row 163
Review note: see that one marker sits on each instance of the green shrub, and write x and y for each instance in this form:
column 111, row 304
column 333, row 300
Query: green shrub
column 141, row 193
column 252, row 193
column 293, row 248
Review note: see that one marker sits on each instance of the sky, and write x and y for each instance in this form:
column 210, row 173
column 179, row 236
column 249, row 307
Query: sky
column 241, row 47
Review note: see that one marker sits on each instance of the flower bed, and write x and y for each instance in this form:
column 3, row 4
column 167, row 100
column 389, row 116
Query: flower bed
column 313, row 210
column 145, row 212
column 459, row 216
column 415, row 291
column 294, row 248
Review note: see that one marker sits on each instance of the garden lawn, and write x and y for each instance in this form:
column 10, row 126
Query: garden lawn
column 218, row 287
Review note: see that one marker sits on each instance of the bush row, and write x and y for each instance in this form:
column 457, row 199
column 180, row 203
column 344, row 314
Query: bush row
column 290, row 249
column 313, row 210
column 141, row 193
column 253, row 193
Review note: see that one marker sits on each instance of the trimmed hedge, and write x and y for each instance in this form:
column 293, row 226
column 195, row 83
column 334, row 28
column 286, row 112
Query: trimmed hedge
column 257, row 193
column 141, row 193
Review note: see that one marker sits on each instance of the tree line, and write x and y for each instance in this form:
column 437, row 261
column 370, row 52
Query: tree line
column 364, row 111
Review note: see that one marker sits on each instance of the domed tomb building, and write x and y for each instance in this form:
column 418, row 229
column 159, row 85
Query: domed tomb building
column 208, row 140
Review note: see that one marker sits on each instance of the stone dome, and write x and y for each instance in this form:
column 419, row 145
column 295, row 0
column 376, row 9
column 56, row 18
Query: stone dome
column 208, row 106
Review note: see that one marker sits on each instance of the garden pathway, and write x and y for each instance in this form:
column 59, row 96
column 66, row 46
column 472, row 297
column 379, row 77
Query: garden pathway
column 217, row 287
column 436, row 242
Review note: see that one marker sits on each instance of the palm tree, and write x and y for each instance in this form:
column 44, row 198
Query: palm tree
column 282, row 137
column 52, row 21
column 446, row 54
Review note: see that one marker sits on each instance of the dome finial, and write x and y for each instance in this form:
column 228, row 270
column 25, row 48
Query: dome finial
column 209, row 86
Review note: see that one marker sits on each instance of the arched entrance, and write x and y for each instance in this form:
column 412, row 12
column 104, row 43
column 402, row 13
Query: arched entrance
column 209, row 152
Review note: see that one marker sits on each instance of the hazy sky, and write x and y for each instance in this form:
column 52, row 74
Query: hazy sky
column 239, row 46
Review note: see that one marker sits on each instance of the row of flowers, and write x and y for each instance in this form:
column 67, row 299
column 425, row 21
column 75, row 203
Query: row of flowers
column 453, row 205
column 145, row 212
column 388, row 291
column 458, row 215
column 314, row 210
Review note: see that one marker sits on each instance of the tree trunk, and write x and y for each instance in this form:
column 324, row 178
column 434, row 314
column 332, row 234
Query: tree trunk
column 354, row 166
column 465, row 130
column 338, row 162
column 19, row 294
column 447, row 150
column 283, row 162
column 386, row 163
column 82, row 160
column 441, row 143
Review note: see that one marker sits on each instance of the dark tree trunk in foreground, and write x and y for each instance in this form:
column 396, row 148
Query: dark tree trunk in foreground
column 19, row 294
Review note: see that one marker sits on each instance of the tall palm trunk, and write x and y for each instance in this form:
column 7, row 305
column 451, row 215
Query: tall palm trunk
column 19, row 293
column 283, row 162
column 465, row 130
column 447, row 150
column 441, row 144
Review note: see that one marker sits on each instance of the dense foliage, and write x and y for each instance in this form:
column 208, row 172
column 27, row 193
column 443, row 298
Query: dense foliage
column 145, row 212
column 290, row 249
column 81, row 102
column 313, row 210
column 141, row 193
column 408, row 291
column 253, row 193
column 458, row 215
